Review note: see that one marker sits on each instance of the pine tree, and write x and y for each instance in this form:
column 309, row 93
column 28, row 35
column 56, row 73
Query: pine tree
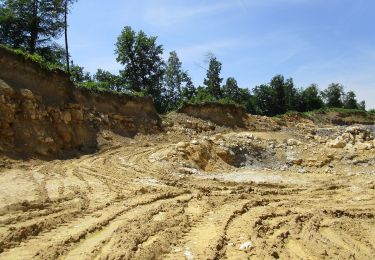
column 213, row 80
column 32, row 25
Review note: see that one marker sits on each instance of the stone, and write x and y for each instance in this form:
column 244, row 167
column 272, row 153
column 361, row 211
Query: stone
column 194, row 142
column 67, row 117
column 337, row 143
column 182, row 145
column 363, row 146
column 66, row 136
column 293, row 142
column 297, row 161
column 4, row 88
column 77, row 115
column 27, row 94
column 118, row 117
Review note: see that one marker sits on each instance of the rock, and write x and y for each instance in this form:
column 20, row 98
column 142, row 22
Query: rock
column 363, row 146
column 182, row 145
column 297, row 161
column 4, row 88
column 27, row 94
column 77, row 115
column 118, row 117
column 194, row 142
column 293, row 142
column 67, row 117
column 66, row 136
column 337, row 143
column 245, row 245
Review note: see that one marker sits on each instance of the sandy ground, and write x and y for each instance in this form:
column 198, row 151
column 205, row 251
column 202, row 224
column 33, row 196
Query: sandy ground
column 122, row 203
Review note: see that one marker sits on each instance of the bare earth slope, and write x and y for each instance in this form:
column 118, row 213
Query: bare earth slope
column 188, row 194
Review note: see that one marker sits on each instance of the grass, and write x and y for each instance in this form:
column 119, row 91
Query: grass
column 343, row 111
column 36, row 58
column 212, row 102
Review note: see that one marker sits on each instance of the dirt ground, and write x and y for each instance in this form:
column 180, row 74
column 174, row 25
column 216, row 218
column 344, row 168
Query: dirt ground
column 194, row 191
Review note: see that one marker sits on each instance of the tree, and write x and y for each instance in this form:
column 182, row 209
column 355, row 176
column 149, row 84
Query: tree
column 107, row 80
column 144, row 66
column 264, row 100
column 350, row 101
column 333, row 95
column 231, row 90
column 279, row 99
column 291, row 95
column 310, row 99
column 78, row 75
column 31, row 25
column 174, row 78
column 213, row 80
column 362, row 105
column 188, row 91
column 66, row 11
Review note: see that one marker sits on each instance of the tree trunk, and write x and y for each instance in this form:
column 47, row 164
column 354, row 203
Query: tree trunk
column 34, row 28
column 66, row 35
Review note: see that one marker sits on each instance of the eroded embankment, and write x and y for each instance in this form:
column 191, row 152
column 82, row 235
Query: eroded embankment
column 43, row 113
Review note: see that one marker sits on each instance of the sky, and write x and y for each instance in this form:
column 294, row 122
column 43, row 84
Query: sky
column 311, row 41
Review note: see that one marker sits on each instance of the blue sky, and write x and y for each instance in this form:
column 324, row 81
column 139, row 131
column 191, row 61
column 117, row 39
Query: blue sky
column 312, row 41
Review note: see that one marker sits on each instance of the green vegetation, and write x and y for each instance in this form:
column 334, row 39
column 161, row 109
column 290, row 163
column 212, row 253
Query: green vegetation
column 37, row 58
column 29, row 27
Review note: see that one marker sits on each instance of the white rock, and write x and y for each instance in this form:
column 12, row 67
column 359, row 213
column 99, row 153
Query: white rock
column 245, row 245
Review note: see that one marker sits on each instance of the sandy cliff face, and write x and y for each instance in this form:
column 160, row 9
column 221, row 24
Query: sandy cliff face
column 42, row 113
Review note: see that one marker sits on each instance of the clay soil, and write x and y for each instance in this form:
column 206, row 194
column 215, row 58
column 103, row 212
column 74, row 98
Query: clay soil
column 190, row 193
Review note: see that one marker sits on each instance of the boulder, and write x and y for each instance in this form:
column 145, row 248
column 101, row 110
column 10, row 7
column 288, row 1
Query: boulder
column 27, row 94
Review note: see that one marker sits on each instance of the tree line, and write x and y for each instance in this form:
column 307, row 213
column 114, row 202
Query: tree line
column 34, row 25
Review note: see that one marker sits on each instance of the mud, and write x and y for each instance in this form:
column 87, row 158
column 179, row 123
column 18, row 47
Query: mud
column 181, row 194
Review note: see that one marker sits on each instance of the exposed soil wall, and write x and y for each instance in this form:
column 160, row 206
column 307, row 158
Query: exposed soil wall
column 42, row 113
column 220, row 114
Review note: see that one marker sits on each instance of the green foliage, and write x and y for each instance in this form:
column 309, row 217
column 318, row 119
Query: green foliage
column 350, row 101
column 213, row 80
column 109, row 80
column 32, row 25
column 142, row 59
column 79, row 76
column 231, row 90
column 333, row 95
column 177, row 84
column 310, row 99
column 38, row 59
